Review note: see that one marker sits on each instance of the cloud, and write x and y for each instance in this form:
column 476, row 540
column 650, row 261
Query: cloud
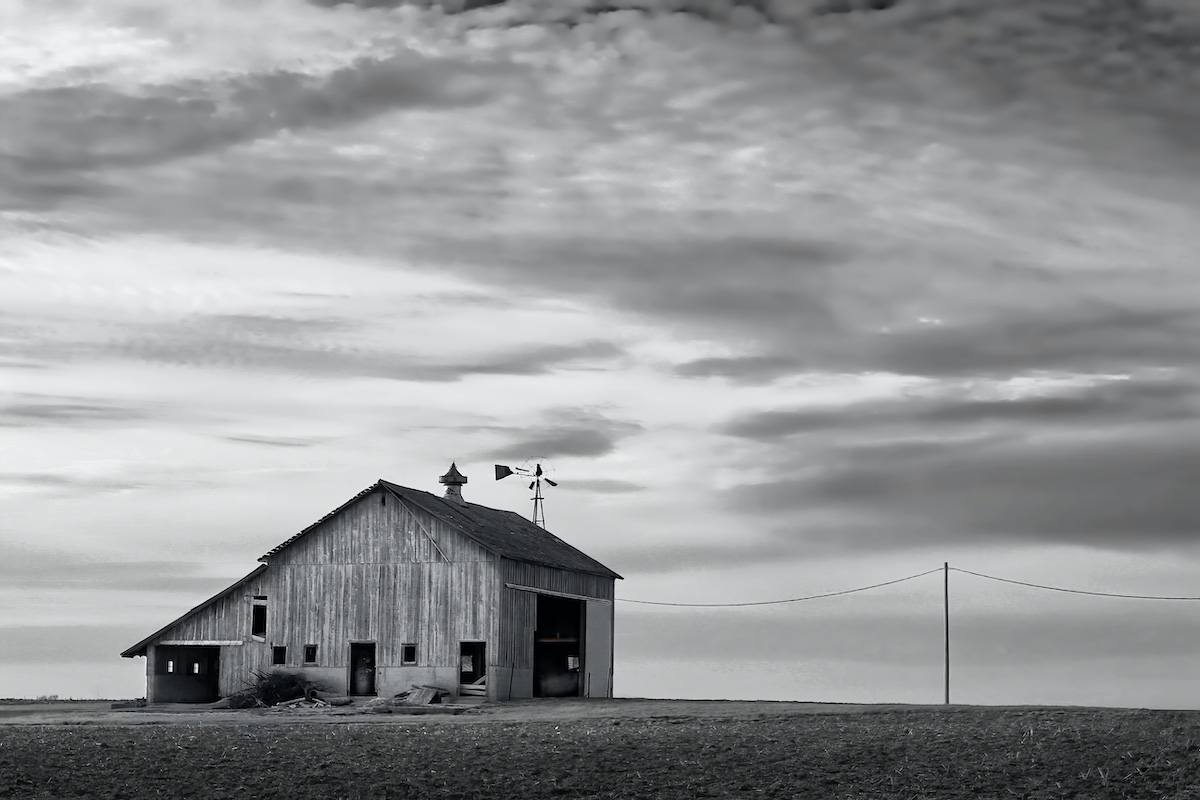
column 34, row 410
column 91, row 126
column 1125, row 489
column 1110, row 401
column 69, row 484
column 275, row 441
column 1076, row 337
column 306, row 348
column 603, row 486
column 38, row 570
column 743, row 369
column 565, row 433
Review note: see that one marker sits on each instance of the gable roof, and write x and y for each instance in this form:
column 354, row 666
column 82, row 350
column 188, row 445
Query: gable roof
column 505, row 533
column 139, row 649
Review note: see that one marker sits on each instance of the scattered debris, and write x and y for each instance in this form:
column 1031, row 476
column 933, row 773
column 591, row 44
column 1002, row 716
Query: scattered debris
column 272, row 689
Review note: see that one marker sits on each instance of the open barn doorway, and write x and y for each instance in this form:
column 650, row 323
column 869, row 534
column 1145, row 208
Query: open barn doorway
column 186, row 674
column 556, row 647
column 362, row 668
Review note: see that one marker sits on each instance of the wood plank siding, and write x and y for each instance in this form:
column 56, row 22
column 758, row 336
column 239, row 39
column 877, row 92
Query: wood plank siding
column 518, row 609
column 377, row 571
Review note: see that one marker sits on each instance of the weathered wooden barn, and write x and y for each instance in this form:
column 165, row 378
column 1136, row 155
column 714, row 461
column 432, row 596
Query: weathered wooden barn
column 399, row 587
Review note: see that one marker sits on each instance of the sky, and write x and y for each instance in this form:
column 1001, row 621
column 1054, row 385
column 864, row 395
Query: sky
column 793, row 298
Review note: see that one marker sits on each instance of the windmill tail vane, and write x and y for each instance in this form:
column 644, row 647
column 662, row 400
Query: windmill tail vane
column 538, row 475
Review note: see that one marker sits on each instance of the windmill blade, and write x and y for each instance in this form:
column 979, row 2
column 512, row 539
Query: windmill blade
column 503, row 471
column 531, row 485
column 552, row 483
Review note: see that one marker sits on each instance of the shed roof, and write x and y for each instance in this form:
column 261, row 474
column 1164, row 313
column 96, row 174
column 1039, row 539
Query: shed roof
column 139, row 649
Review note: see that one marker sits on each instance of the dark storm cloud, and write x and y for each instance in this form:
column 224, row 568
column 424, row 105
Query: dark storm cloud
column 32, row 410
column 566, row 432
column 1113, row 401
column 1132, row 488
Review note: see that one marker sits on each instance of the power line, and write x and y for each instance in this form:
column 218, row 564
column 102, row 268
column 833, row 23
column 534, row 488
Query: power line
column 1072, row 591
column 778, row 602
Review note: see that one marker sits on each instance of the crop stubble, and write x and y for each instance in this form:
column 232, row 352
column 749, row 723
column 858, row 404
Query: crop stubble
column 959, row 752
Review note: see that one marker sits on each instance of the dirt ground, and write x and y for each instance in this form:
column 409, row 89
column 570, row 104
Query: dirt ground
column 617, row 749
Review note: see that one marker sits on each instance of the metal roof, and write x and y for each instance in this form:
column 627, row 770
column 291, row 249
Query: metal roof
column 505, row 533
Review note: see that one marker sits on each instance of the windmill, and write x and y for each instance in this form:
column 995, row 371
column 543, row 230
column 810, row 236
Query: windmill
column 539, row 476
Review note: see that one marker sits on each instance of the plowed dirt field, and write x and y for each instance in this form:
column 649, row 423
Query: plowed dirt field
column 625, row 749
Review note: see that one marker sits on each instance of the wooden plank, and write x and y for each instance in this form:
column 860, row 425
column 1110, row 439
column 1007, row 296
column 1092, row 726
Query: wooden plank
column 567, row 595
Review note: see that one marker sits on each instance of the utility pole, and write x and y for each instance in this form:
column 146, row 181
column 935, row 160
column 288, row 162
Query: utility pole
column 946, row 607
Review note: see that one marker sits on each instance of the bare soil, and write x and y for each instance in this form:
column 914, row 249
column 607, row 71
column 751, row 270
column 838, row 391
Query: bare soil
column 618, row 748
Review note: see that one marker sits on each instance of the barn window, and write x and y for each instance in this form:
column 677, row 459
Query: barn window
column 408, row 654
column 572, row 662
column 278, row 656
column 170, row 666
column 195, row 667
column 258, row 620
column 310, row 654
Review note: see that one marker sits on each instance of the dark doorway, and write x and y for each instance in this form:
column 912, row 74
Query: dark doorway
column 472, row 662
column 556, row 647
column 186, row 674
column 362, row 668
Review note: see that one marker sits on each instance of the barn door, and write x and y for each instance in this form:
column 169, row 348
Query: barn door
column 598, row 649
column 362, row 668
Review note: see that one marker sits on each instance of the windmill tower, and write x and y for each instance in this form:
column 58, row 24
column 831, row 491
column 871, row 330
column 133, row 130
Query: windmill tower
column 539, row 476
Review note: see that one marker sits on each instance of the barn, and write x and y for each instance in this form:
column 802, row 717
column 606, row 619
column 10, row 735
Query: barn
column 397, row 587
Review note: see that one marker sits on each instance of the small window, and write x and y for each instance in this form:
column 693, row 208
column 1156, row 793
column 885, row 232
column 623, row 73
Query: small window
column 258, row 622
column 310, row 654
column 170, row 666
column 467, row 663
column 195, row 667
column 278, row 656
column 408, row 654
column 572, row 662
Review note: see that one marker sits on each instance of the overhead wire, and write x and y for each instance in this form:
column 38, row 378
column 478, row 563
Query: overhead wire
column 902, row 580
column 779, row 602
column 1071, row 591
